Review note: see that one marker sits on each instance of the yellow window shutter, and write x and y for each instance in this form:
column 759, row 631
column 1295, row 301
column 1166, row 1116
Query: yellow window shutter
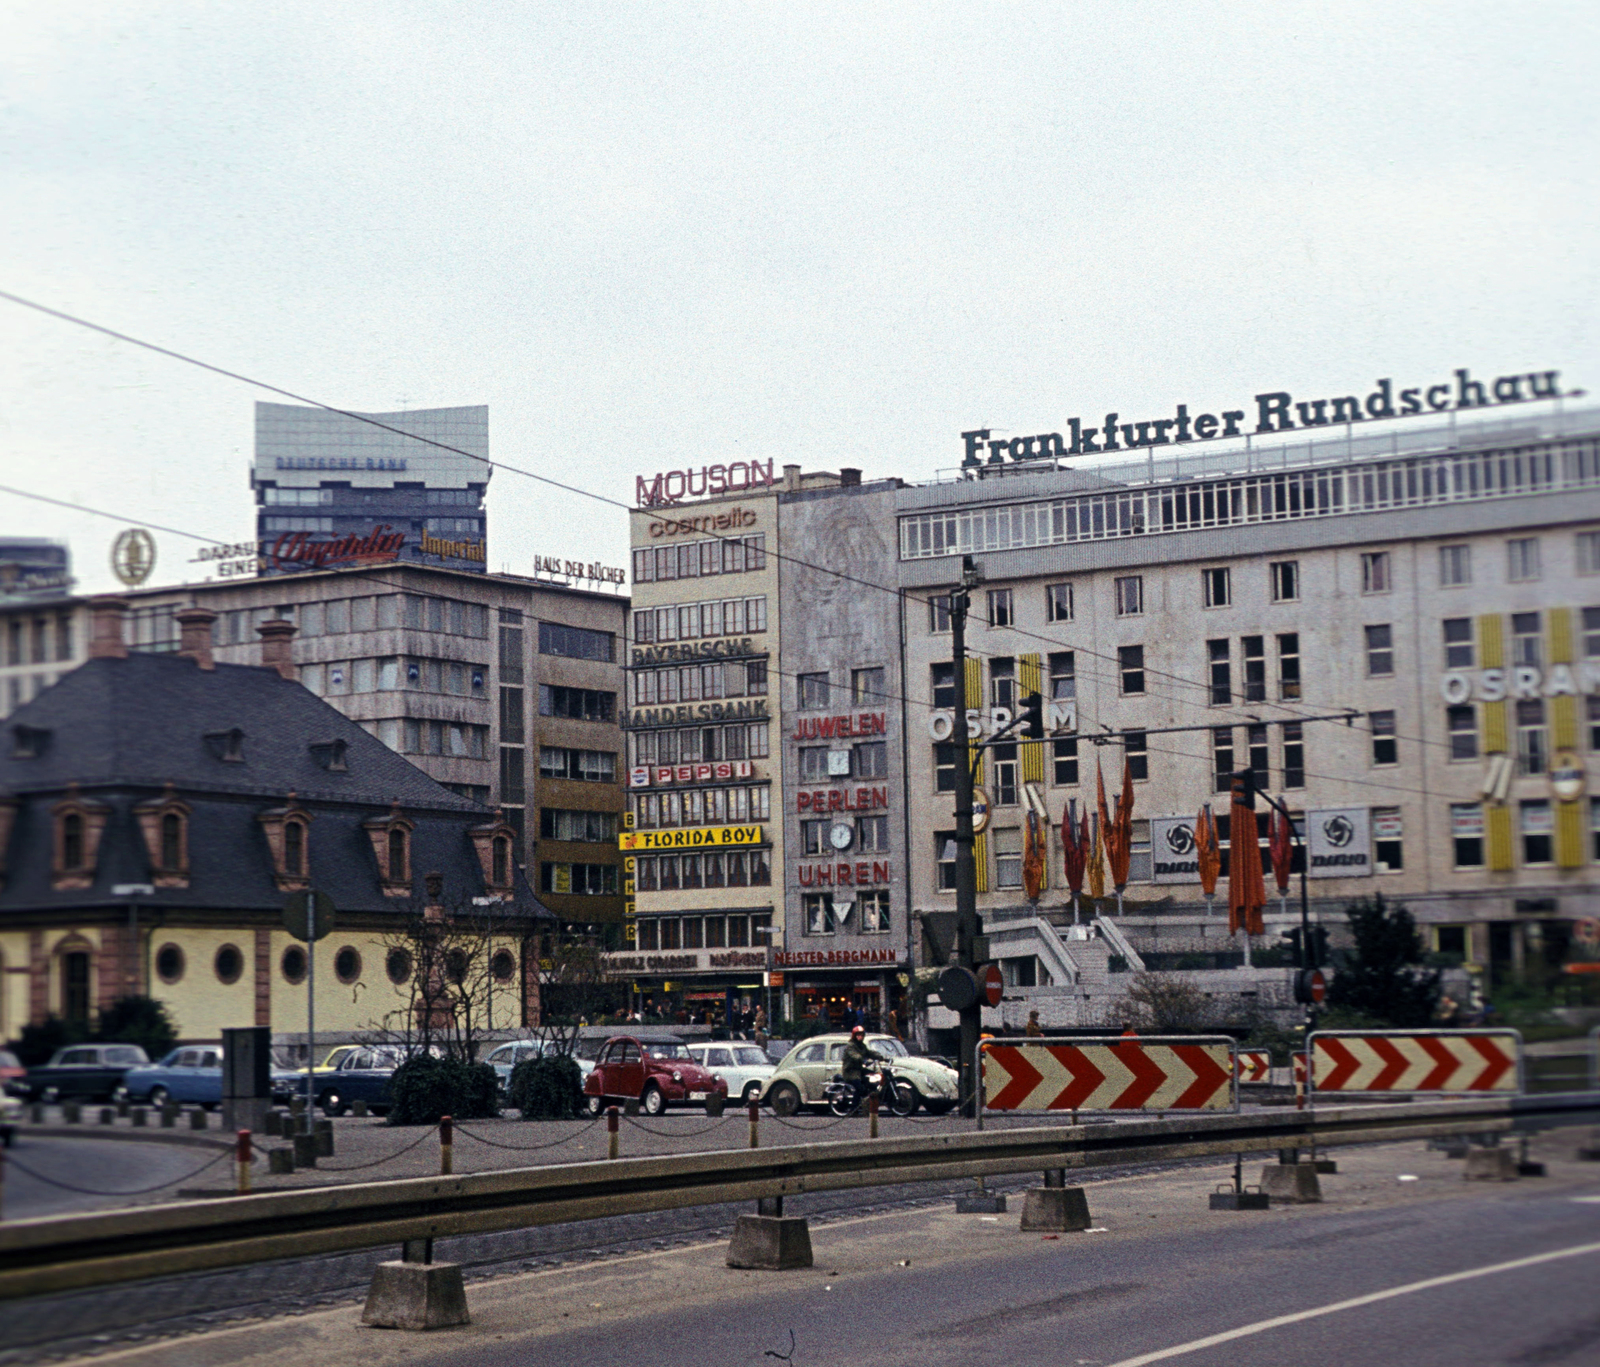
column 1494, row 728
column 1031, row 678
column 1560, row 636
column 980, row 859
column 1497, row 821
column 1491, row 641
column 1569, row 833
column 1564, row 721
column 975, row 702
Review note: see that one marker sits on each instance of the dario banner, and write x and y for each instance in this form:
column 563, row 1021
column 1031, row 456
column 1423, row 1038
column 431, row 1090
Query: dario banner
column 1339, row 841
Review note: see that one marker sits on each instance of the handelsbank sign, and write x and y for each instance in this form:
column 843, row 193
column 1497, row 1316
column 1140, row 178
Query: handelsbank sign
column 1274, row 412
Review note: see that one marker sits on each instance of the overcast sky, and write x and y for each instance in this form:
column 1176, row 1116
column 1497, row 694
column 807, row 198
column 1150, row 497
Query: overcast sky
column 653, row 236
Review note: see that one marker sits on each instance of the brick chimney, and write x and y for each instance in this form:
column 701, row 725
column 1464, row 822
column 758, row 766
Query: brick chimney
column 848, row 478
column 276, row 652
column 106, row 641
column 194, row 642
column 791, row 477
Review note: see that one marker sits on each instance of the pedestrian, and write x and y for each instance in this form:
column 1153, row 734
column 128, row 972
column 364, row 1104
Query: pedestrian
column 892, row 1023
column 1033, row 1026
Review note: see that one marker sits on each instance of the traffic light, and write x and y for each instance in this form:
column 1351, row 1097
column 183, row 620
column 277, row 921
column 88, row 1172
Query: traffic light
column 1033, row 717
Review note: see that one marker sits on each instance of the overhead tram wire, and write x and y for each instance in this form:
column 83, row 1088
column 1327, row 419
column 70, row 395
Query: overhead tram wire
column 554, row 483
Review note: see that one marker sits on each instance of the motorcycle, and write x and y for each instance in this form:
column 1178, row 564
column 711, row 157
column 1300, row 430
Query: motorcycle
column 894, row 1093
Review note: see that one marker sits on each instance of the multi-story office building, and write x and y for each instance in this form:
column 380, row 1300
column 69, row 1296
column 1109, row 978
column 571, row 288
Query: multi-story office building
column 41, row 625
column 333, row 490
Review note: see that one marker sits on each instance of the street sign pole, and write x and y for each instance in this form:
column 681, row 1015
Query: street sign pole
column 311, row 1003
column 966, row 870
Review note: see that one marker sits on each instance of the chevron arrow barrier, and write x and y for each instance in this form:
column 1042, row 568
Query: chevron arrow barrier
column 1174, row 1073
column 1438, row 1061
column 1255, row 1065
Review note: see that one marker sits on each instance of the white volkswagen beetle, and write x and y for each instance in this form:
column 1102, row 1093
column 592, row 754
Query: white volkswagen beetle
column 744, row 1067
column 801, row 1079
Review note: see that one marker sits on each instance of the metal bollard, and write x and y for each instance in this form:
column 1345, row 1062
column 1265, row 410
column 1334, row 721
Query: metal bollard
column 36, row 1113
column 140, row 1117
column 755, row 1125
column 446, row 1146
column 71, row 1113
column 613, row 1131
column 197, row 1119
column 358, row 1108
column 242, row 1157
column 872, row 1116
column 107, row 1116
column 169, row 1116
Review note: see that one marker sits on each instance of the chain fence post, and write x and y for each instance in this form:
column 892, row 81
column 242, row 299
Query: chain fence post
column 872, row 1116
column 613, row 1131
column 242, row 1157
column 755, row 1124
column 447, row 1146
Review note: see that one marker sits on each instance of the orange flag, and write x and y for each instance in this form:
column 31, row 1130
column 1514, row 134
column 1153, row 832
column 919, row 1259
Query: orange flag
column 1207, row 855
column 1247, row 890
column 1097, row 865
column 1120, row 845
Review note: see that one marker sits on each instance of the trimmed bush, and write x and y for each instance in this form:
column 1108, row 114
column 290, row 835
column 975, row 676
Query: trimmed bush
column 547, row 1088
column 424, row 1088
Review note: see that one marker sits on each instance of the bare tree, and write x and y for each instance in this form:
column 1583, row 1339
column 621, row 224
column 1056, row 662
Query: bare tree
column 1167, row 1004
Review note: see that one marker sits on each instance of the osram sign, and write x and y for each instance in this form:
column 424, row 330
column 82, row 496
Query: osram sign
column 1521, row 681
column 1059, row 715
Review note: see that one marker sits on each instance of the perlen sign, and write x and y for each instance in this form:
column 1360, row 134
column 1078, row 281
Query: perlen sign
column 1340, row 842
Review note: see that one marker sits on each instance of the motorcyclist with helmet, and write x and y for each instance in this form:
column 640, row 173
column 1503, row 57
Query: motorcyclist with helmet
column 853, row 1066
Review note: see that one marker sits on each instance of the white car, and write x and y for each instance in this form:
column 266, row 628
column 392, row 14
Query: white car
column 744, row 1067
column 504, row 1059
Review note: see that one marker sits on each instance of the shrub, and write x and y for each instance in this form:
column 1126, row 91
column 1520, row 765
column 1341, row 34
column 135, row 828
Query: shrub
column 424, row 1088
column 37, row 1043
column 138, row 1020
column 547, row 1088
column 1385, row 980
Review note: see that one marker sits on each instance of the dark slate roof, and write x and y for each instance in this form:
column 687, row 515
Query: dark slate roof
column 123, row 729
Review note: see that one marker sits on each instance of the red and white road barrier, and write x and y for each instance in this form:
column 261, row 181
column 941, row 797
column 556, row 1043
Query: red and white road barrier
column 1255, row 1065
column 1172, row 1073
column 1458, row 1062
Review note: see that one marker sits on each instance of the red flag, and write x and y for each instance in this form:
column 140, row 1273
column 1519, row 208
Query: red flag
column 1282, row 847
column 1247, row 892
column 1120, row 846
column 1074, row 846
column 1035, row 872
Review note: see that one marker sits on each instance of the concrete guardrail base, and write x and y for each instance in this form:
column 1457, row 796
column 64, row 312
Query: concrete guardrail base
column 1292, row 1183
column 981, row 1203
column 305, row 1150
column 416, row 1296
column 280, row 1160
column 1240, row 1200
column 107, row 1116
column 1327, row 1167
column 198, row 1119
column 1055, row 1209
column 1490, row 1165
column 775, row 1243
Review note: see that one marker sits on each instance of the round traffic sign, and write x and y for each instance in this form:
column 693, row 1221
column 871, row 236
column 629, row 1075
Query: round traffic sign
column 1316, row 986
column 298, row 919
column 958, row 988
column 993, row 984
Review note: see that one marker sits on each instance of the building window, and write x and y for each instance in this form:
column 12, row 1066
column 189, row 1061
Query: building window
column 1525, row 649
column 500, row 861
column 1222, row 758
column 1130, row 666
column 1522, row 556
column 1260, row 773
column 1455, row 566
column 576, row 643
column 870, row 760
column 293, row 965
column 1466, row 834
column 1064, row 753
column 1387, row 847
column 399, row 862
column 1458, row 643
column 814, row 837
column 649, row 933
column 872, row 834
column 72, row 845
column 1216, row 587
column 583, row 880
column 1136, row 754
column 1008, row 858
column 1289, row 665
column 1586, row 553
column 1063, row 675
column 1380, row 651
column 1594, row 829
column 1385, row 745
column 294, row 849
column 813, row 762
column 1533, row 739
column 1005, row 775
column 347, row 965
column 1058, row 602
column 1285, row 581
column 873, row 909
column 513, row 774
column 1594, row 723
column 944, row 767
column 1255, row 668
column 1538, row 830
column 1591, row 633
column 1294, row 755
column 939, row 613
column 866, row 687
column 577, row 704
column 944, row 856
column 171, row 843
column 818, row 908
column 594, row 828
column 1217, row 653
column 1461, row 722
column 1375, row 572
column 1000, row 608
column 942, row 681
column 813, row 689
column 1130, row 595
column 587, row 766
column 170, row 963
column 1003, row 683
column 228, row 965
column 511, row 723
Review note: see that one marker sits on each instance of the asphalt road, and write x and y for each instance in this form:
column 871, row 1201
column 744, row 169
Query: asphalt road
column 50, row 1175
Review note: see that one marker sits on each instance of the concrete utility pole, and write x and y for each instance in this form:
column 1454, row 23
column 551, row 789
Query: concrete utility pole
column 966, row 868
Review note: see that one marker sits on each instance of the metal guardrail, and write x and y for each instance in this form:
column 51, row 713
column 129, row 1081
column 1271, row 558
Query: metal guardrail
column 62, row 1253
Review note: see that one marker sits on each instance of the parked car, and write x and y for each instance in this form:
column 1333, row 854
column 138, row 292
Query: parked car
column 362, row 1075
column 191, row 1075
column 656, row 1070
column 10, row 1114
column 744, row 1067
column 12, row 1073
column 807, row 1069
column 84, row 1072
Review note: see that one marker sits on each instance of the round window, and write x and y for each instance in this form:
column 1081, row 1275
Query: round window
column 169, row 963
column 398, row 966
column 347, row 964
column 504, row 965
column 455, row 965
column 294, row 964
column 229, row 964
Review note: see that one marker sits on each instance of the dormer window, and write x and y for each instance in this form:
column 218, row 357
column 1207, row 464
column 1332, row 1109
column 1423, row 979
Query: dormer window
column 288, row 831
column 227, row 746
column 28, row 742
column 330, row 755
column 164, row 822
column 500, row 872
column 496, row 848
column 391, row 847
column 79, row 823
column 71, row 843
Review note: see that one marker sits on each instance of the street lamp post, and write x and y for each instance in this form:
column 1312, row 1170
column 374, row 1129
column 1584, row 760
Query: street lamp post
column 132, row 891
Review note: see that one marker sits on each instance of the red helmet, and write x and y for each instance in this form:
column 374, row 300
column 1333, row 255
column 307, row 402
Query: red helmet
column 859, row 1030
